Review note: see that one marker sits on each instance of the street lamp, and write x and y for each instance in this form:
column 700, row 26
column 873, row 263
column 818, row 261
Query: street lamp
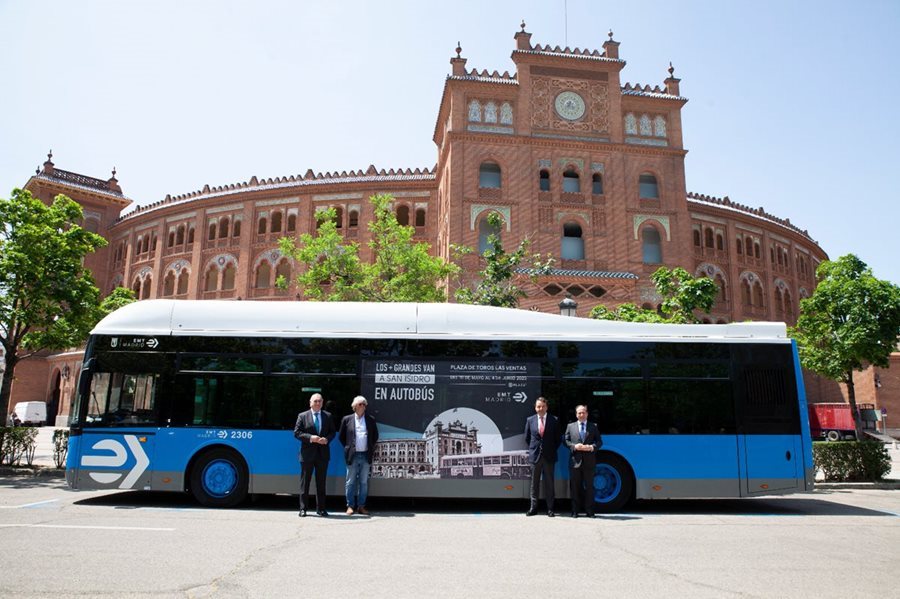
column 568, row 306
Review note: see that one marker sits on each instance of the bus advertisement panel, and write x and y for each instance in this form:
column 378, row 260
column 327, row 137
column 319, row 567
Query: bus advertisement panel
column 431, row 409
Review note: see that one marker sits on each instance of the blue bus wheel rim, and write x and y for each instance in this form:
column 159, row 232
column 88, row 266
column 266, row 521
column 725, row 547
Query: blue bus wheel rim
column 219, row 478
column 607, row 483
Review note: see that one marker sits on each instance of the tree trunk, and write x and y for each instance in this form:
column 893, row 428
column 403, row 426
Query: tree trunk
column 6, row 389
column 851, row 395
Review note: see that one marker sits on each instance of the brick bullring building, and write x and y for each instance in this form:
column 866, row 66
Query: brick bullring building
column 590, row 167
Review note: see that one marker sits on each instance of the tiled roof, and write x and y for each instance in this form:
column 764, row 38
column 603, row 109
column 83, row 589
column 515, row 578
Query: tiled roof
column 485, row 77
column 569, row 53
column 727, row 204
column 309, row 179
column 80, row 182
column 646, row 91
column 594, row 274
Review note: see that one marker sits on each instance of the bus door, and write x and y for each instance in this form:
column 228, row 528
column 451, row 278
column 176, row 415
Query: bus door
column 769, row 439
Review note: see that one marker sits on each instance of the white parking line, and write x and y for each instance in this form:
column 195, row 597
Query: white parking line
column 87, row 527
column 25, row 505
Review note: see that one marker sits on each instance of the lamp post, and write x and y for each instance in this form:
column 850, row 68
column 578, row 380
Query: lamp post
column 568, row 306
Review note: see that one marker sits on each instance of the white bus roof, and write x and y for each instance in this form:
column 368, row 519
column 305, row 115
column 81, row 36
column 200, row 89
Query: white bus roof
column 217, row 318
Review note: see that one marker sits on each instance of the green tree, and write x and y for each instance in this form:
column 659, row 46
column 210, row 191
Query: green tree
column 498, row 282
column 47, row 298
column 401, row 270
column 681, row 294
column 117, row 298
column 852, row 320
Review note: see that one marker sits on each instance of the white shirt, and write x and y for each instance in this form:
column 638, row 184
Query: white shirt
column 362, row 434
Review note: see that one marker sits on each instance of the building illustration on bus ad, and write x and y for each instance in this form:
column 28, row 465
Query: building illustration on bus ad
column 451, row 418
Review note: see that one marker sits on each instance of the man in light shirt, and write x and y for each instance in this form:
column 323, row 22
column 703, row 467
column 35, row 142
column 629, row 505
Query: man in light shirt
column 358, row 434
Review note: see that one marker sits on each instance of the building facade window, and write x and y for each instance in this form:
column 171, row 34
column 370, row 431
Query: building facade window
column 651, row 246
column 572, row 242
column 571, row 181
column 489, row 175
column 597, row 184
column 647, row 187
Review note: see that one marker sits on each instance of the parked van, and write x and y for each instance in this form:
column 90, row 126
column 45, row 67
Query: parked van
column 31, row 413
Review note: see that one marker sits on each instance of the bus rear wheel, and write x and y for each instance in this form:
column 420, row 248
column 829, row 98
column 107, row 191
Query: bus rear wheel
column 613, row 483
column 219, row 478
column 833, row 436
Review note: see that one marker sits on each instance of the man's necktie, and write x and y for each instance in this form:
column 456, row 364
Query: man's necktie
column 318, row 428
column 582, row 431
column 541, row 427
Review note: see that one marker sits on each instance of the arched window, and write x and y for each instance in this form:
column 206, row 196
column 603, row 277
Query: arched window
column 145, row 288
column 779, row 302
column 191, row 234
column 212, row 231
column 153, row 244
column 179, row 236
column 489, row 175
column 708, row 237
column 720, row 242
column 651, row 245
column 788, row 306
column 648, row 188
column 292, row 223
column 474, row 111
column 697, row 238
column 722, row 296
column 276, row 222
column 756, row 250
column 212, row 279
column 183, row 281
column 739, row 244
column 758, row 295
column 228, row 277
column 484, row 231
column 338, row 217
column 420, row 217
column 544, row 180
column 490, row 113
column 597, row 184
column 748, row 243
column 223, row 228
column 353, row 219
column 403, row 215
column 571, row 181
column 136, row 287
column 236, row 229
column 746, row 293
column 572, row 242
column 263, row 275
column 283, row 270
column 263, row 225
column 772, row 255
column 169, row 284
column 170, row 243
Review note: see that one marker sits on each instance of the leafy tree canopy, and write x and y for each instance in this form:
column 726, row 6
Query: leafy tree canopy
column 401, row 270
column 498, row 283
column 47, row 298
column 851, row 320
column 682, row 294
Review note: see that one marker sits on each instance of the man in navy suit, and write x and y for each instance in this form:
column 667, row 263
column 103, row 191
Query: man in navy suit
column 542, row 436
column 358, row 434
column 583, row 440
column 315, row 430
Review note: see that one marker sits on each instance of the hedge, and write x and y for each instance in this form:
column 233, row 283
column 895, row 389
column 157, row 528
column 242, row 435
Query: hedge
column 852, row 460
column 17, row 442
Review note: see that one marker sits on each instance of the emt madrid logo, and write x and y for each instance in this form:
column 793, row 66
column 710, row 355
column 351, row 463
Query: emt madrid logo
column 117, row 460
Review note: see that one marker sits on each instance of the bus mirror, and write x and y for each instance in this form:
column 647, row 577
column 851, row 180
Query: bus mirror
column 84, row 380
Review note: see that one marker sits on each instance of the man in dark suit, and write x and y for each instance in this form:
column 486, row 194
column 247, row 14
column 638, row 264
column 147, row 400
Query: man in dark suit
column 542, row 436
column 583, row 440
column 358, row 434
column 315, row 430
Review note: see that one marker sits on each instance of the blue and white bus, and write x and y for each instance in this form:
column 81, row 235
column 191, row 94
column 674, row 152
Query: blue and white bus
column 201, row 397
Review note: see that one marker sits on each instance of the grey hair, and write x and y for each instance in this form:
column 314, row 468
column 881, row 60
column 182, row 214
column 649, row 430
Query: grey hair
column 359, row 399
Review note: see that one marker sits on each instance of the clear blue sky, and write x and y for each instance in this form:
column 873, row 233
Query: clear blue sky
column 793, row 104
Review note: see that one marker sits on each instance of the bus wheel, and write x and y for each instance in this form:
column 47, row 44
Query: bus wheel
column 833, row 436
column 219, row 478
column 613, row 483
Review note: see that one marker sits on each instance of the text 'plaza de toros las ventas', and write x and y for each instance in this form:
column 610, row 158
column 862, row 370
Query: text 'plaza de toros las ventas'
column 588, row 166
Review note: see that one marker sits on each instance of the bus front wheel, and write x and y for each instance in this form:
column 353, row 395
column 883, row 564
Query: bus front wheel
column 219, row 478
column 833, row 436
column 613, row 483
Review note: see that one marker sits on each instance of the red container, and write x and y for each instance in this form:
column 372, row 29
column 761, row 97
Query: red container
column 833, row 421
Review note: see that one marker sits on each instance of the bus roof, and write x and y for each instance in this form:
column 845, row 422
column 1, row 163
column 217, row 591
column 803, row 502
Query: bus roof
column 222, row 318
